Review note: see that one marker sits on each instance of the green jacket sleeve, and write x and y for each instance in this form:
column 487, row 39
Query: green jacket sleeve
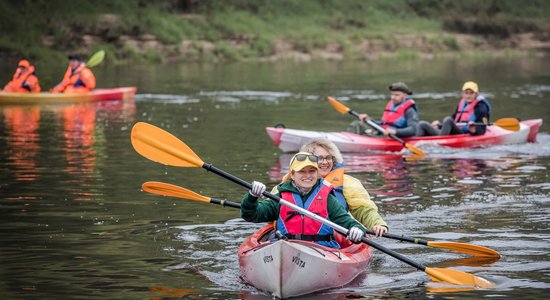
column 339, row 215
column 256, row 211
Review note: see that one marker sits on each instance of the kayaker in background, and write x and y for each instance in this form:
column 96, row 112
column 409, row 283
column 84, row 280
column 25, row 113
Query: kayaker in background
column 473, row 108
column 348, row 190
column 24, row 79
column 400, row 116
column 305, row 189
column 78, row 78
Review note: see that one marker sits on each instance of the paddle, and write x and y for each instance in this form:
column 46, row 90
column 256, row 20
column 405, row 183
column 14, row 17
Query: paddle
column 166, row 189
column 344, row 109
column 511, row 124
column 160, row 146
column 171, row 190
column 96, row 59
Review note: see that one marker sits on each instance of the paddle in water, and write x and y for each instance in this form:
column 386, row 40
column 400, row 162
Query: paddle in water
column 344, row 109
column 166, row 189
column 161, row 146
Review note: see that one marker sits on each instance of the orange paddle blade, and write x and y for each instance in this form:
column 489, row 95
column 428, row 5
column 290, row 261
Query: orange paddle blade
column 166, row 189
column 415, row 150
column 474, row 250
column 338, row 105
column 511, row 124
column 161, row 146
column 458, row 277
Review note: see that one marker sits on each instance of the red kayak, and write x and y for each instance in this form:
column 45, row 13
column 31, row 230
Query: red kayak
column 290, row 140
column 289, row 268
column 121, row 93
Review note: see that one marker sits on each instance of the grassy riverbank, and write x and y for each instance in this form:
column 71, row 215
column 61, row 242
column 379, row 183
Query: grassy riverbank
column 236, row 30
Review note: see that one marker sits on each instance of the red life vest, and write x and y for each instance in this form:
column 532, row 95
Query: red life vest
column 465, row 110
column 291, row 223
column 394, row 116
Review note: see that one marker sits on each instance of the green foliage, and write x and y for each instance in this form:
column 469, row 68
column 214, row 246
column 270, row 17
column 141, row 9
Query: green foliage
column 451, row 43
column 50, row 28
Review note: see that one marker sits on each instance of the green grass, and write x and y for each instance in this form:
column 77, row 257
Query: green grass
column 255, row 25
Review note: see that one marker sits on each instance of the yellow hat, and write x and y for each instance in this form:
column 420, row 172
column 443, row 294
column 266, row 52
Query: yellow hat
column 470, row 85
column 301, row 160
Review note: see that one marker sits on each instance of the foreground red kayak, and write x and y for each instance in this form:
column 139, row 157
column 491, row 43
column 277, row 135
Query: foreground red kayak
column 122, row 93
column 293, row 268
column 290, row 140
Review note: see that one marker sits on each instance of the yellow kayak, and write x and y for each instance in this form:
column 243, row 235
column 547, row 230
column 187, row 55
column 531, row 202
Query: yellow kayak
column 122, row 93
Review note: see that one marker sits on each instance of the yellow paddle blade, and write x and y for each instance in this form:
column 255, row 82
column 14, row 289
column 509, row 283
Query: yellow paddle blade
column 415, row 150
column 511, row 124
column 338, row 105
column 160, row 146
column 166, row 189
column 458, row 277
column 474, row 250
column 96, row 59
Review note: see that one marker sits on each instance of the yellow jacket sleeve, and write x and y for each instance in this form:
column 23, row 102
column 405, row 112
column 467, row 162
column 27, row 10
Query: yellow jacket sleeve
column 361, row 207
column 356, row 195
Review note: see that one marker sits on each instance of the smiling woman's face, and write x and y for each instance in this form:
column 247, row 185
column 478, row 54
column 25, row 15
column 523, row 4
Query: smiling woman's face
column 326, row 160
column 305, row 178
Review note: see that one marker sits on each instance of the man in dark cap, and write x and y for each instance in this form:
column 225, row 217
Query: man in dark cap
column 400, row 116
column 78, row 78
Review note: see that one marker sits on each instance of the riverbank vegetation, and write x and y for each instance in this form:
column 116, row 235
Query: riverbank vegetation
column 240, row 30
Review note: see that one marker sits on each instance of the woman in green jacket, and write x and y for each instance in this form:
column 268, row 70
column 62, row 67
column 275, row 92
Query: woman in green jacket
column 305, row 189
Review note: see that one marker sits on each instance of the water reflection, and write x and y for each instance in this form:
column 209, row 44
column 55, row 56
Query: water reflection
column 22, row 138
column 28, row 147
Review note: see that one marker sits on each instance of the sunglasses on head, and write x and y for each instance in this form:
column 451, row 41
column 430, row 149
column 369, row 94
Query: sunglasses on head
column 302, row 157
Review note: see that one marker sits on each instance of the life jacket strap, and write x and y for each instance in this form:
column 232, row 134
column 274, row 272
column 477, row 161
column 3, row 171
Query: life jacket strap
column 311, row 238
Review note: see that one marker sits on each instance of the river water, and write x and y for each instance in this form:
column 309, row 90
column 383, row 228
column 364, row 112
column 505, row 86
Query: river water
column 76, row 225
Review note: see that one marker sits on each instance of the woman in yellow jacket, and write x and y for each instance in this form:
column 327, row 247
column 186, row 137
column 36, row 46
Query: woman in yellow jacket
column 347, row 189
column 78, row 78
column 24, row 79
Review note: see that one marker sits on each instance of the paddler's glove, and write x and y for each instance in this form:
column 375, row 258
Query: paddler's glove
column 355, row 234
column 257, row 189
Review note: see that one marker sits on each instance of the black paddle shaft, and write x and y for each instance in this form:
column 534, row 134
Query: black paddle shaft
column 375, row 126
column 243, row 183
column 225, row 203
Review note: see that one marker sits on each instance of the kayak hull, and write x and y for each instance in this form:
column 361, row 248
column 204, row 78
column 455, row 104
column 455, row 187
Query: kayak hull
column 290, row 140
column 293, row 268
column 121, row 93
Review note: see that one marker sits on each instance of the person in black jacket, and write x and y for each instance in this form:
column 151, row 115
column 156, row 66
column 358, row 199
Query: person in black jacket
column 470, row 116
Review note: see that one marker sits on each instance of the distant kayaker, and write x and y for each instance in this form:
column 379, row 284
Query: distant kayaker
column 78, row 78
column 400, row 116
column 24, row 79
column 473, row 108
column 348, row 190
column 305, row 189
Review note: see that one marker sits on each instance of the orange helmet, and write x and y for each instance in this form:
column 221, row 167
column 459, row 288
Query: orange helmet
column 24, row 63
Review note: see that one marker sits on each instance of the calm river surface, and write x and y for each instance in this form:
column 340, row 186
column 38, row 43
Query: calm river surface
column 76, row 225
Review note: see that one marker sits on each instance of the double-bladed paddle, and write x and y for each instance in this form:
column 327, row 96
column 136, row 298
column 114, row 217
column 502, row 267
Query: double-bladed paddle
column 161, row 146
column 341, row 108
column 166, row 189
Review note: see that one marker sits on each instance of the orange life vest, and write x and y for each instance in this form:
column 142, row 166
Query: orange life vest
column 23, row 82
column 80, row 80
